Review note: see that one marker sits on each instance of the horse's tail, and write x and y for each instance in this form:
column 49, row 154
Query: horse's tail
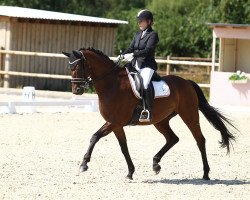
column 215, row 118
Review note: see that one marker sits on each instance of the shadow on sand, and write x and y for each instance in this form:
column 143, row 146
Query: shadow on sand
column 198, row 182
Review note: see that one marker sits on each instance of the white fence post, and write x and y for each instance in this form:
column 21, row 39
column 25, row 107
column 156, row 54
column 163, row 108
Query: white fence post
column 29, row 95
column 11, row 107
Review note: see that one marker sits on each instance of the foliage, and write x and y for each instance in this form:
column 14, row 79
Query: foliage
column 181, row 24
column 235, row 11
column 238, row 76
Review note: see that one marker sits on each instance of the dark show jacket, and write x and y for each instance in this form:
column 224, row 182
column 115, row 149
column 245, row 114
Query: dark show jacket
column 144, row 49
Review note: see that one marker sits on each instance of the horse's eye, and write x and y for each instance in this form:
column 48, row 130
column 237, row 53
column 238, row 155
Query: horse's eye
column 72, row 66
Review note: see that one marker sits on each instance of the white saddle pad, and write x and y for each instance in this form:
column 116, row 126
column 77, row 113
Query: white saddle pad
column 160, row 87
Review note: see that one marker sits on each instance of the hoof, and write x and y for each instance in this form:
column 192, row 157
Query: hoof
column 156, row 168
column 129, row 177
column 206, row 177
column 83, row 168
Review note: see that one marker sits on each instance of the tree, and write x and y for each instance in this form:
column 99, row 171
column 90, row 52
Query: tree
column 181, row 24
column 235, row 11
column 174, row 20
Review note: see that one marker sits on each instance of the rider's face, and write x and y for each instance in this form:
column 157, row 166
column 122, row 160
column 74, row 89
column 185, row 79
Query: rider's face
column 143, row 24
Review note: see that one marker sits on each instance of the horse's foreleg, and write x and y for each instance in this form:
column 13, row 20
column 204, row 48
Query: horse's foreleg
column 171, row 139
column 121, row 137
column 103, row 131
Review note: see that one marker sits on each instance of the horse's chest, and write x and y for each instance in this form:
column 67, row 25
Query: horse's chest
column 115, row 112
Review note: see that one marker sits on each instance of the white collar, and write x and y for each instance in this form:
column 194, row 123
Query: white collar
column 143, row 33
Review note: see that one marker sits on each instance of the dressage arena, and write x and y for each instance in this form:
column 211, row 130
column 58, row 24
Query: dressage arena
column 40, row 155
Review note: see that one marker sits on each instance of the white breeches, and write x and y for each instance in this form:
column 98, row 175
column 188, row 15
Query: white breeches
column 146, row 74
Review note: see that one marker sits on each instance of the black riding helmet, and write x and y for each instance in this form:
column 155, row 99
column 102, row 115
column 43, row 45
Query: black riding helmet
column 144, row 15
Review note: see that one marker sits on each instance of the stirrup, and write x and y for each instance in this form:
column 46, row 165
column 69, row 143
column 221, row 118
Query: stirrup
column 145, row 116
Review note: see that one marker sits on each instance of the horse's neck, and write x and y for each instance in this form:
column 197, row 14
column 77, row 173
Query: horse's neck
column 112, row 86
column 99, row 65
column 107, row 78
column 104, row 77
column 106, row 86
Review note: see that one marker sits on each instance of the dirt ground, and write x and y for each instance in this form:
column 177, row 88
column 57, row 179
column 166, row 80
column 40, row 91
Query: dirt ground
column 40, row 156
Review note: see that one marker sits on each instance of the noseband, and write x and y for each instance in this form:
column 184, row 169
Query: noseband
column 84, row 82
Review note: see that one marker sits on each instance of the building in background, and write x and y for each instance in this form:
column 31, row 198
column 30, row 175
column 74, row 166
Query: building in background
column 24, row 29
column 234, row 55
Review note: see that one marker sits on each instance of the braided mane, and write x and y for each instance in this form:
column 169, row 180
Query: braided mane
column 96, row 51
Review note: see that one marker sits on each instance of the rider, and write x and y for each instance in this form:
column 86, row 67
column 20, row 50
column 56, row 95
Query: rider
column 141, row 52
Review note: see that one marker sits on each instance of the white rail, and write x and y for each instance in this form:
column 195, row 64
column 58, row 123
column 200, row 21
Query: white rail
column 90, row 104
column 167, row 61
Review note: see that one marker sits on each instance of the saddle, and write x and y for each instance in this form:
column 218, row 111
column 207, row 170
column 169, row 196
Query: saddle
column 158, row 88
column 138, row 81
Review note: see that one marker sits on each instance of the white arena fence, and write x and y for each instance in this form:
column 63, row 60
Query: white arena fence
column 84, row 105
column 6, row 72
column 88, row 104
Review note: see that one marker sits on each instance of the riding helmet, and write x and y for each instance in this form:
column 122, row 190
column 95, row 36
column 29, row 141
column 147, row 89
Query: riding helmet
column 144, row 15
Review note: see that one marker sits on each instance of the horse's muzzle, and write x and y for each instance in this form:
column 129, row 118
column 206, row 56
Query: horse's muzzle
column 78, row 91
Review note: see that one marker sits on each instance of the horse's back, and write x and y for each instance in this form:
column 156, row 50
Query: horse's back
column 182, row 91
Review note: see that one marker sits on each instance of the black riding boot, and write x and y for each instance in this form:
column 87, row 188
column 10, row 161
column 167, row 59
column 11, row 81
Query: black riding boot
column 147, row 102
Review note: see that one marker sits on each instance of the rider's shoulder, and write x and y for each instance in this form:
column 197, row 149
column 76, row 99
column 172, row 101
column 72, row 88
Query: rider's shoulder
column 152, row 31
column 154, row 34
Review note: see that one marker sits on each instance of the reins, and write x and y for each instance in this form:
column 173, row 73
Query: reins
column 106, row 74
column 87, row 81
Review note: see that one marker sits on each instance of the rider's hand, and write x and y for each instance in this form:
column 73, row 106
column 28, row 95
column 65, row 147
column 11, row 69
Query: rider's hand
column 120, row 57
column 129, row 56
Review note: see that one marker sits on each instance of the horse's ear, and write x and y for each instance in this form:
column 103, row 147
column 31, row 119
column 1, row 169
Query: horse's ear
column 77, row 54
column 66, row 54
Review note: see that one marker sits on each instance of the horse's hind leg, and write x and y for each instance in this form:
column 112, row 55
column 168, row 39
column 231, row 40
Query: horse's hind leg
column 192, row 121
column 171, row 139
column 103, row 131
column 121, row 137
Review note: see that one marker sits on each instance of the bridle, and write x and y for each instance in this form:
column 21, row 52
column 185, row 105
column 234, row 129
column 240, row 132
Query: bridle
column 86, row 82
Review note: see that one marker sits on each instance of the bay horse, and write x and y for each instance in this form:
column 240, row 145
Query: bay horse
column 117, row 103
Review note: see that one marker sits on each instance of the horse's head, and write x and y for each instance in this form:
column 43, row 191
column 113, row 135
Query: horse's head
column 79, row 72
column 90, row 66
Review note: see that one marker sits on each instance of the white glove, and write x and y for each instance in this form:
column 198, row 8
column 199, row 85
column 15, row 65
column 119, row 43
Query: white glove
column 129, row 56
column 120, row 57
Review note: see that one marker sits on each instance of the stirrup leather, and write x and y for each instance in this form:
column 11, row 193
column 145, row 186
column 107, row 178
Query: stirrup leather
column 145, row 116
